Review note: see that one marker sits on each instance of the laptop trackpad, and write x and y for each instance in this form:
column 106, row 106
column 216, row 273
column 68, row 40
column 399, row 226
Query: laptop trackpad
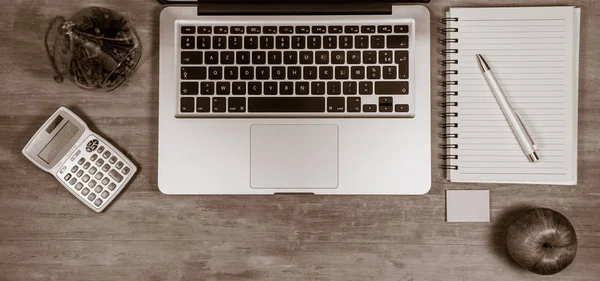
column 294, row 156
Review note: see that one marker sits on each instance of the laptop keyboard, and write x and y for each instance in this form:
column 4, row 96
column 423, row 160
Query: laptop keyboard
column 294, row 71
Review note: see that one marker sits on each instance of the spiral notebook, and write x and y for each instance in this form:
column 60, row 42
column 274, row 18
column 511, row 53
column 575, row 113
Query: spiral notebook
column 534, row 52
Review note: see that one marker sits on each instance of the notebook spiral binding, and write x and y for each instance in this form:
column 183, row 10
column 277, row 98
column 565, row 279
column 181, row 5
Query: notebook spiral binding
column 449, row 92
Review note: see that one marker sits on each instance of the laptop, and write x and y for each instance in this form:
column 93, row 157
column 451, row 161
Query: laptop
column 271, row 97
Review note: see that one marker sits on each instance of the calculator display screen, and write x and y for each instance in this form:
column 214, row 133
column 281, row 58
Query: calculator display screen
column 58, row 142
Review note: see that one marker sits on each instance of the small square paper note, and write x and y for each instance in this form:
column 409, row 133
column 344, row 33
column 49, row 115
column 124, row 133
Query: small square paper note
column 467, row 205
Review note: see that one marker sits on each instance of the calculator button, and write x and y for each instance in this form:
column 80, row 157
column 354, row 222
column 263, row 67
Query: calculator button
column 85, row 178
column 67, row 177
column 72, row 181
column 126, row 170
column 104, row 194
column 106, row 167
column 75, row 155
column 85, row 191
column 63, row 169
column 105, row 181
column 74, row 169
column 112, row 160
column 92, row 196
column 115, row 175
column 81, row 161
column 98, row 189
column 79, row 173
column 99, row 176
column 92, row 183
column 119, row 165
column 106, row 154
column 92, row 170
column 112, row 186
column 78, row 186
column 100, row 149
column 98, row 202
column 100, row 162
column 87, row 165
column 94, row 157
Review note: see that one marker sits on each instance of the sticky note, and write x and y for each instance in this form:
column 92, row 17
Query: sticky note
column 467, row 205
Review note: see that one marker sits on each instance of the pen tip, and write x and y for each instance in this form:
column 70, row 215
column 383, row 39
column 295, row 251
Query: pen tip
column 482, row 63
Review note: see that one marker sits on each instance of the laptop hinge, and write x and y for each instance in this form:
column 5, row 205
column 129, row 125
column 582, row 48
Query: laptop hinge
column 274, row 8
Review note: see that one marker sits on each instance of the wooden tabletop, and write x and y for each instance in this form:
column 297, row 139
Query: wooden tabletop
column 46, row 234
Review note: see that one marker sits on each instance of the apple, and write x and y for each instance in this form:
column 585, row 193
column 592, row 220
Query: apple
column 543, row 241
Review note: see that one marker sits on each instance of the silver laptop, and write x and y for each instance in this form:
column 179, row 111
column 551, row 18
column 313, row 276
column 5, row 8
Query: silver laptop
column 294, row 97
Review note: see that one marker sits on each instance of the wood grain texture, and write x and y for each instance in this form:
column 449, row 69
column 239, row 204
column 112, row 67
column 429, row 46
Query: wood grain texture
column 45, row 234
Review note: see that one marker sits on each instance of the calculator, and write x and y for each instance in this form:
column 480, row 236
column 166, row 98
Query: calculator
column 86, row 164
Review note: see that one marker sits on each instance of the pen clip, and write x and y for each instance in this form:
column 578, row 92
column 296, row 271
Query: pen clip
column 527, row 132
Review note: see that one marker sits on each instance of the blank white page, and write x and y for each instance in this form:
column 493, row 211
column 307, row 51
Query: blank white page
column 533, row 52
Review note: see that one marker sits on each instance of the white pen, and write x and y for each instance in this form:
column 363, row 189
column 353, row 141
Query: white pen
column 515, row 121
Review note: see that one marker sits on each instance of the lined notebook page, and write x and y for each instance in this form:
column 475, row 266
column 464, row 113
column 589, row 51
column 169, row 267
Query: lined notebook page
column 534, row 54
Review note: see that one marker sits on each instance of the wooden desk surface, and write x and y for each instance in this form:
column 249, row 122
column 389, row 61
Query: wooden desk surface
column 46, row 234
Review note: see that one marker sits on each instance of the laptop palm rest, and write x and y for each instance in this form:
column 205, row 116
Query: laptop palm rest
column 294, row 156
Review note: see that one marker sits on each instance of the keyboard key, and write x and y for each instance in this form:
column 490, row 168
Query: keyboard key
column 67, row 177
column 302, row 29
column 223, row 88
column 79, row 173
column 377, row 41
column 94, row 157
column 386, row 100
column 401, row 108
column 391, row 88
column 100, row 162
column 74, row 169
column 330, row 42
column 350, row 88
column 270, row 29
column 187, row 104
column 401, row 58
column 314, row 42
column 286, row 29
column 263, row 73
column 91, row 197
column 286, row 88
column 306, row 57
column 361, row 42
column 346, row 42
column 253, row 29
column 255, row 88
column 401, row 29
column 342, row 72
column 259, row 57
column 290, row 57
column 92, row 183
column 86, row 165
column 271, row 88
column 78, row 186
column 397, row 41
column 369, row 57
column 357, row 72
column 294, row 73
column 236, row 105
column 310, row 72
column 353, row 104
column 243, row 57
column 385, row 57
column 85, row 191
column 319, row 29
column 384, row 29
column 193, row 73
column 335, row 29
column 370, row 108
column 221, row 30
column 119, row 165
column 215, row 73
column 231, row 73
column 286, row 104
column 98, row 189
column 368, row 29
column 203, row 42
column 250, row 42
column 237, row 30
column 188, row 29
column 354, row 57
column 207, row 88
column 351, row 29
column 390, row 72
column 282, row 42
column 334, row 88
column 373, row 72
column 191, row 57
column 317, row 88
column 238, row 88
column 211, row 57
column 188, row 42
column 298, row 42
column 218, row 105
column 247, row 73
column 204, row 29
column 235, row 42
column 104, row 194
column 111, row 186
column 85, row 178
column 278, row 72
column 81, row 161
column 326, row 72
column 338, row 57
column 302, row 88
column 189, row 88
column 365, row 88
column 219, row 42
column 267, row 42
column 275, row 57
column 385, row 108
column 203, row 104
column 335, row 104
column 322, row 57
